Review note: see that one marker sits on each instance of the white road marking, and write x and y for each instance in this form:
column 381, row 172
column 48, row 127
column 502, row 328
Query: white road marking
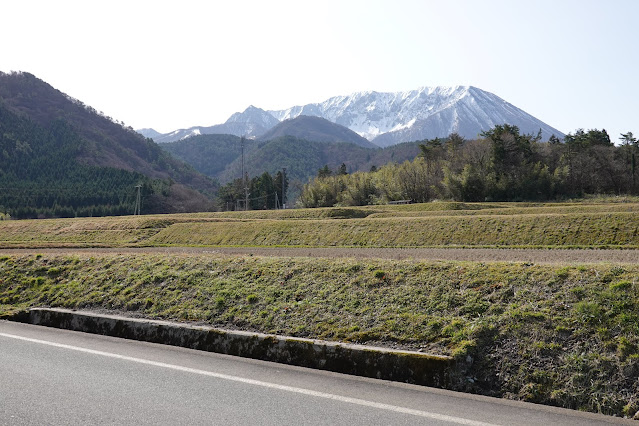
column 349, row 400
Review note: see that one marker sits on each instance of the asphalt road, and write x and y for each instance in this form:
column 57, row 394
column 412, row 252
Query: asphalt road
column 55, row 377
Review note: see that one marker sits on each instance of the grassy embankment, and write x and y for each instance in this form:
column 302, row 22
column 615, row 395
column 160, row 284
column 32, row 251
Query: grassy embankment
column 581, row 225
column 564, row 336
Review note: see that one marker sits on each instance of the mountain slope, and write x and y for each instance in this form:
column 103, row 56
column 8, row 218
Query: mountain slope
column 303, row 159
column 316, row 129
column 390, row 118
column 59, row 140
column 219, row 156
column 208, row 154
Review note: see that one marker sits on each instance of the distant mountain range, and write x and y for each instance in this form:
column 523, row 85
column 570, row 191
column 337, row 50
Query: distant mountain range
column 302, row 145
column 253, row 122
column 385, row 119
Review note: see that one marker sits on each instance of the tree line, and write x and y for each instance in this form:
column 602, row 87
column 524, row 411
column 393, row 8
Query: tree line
column 264, row 192
column 501, row 165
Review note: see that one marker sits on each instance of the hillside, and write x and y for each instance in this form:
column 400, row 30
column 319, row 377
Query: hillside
column 218, row 156
column 208, row 154
column 316, row 129
column 61, row 158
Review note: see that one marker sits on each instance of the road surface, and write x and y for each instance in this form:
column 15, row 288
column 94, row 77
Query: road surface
column 59, row 377
column 542, row 256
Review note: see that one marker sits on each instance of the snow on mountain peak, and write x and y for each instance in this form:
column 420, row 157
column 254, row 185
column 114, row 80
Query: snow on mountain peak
column 387, row 118
column 426, row 112
column 373, row 113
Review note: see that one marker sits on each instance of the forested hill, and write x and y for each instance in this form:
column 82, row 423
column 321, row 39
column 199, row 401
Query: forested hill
column 59, row 157
column 316, row 129
column 208, row 154
column 219, row 156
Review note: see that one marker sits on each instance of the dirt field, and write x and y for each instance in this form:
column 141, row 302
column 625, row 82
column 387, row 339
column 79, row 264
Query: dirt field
column 542, row 256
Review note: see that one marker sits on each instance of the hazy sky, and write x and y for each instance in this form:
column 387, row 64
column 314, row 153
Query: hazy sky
column 176, row 64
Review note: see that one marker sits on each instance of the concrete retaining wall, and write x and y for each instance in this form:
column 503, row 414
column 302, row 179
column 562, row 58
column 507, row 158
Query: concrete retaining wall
column 382, row 363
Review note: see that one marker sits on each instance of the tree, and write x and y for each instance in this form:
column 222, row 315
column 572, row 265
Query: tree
column 324, row 172
column 431, row 149
column 629, row 145
column 554, row 140
column 591, row 168
column 453, row 143
column 512, row 157
column 588, row 139
column 628, row 139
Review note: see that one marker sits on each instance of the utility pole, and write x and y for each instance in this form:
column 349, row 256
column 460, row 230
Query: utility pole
column 283, row 187
column 242, row 144
column 244, row 177
column 138, row 201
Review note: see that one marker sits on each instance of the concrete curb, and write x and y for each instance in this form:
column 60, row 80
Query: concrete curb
column 381, row 363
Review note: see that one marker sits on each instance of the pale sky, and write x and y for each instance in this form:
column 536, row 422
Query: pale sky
column 176, row 64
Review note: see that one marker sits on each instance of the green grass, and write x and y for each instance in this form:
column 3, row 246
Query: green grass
column 439, row 224
column 560, row 335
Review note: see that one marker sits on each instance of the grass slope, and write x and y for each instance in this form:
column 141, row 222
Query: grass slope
column 560, row 335
column 569, row 230
column 568, row 225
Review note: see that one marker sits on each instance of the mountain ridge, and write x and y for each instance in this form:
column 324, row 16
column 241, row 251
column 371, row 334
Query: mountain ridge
column 251, row 123
column 315, row 129
column 388, row 118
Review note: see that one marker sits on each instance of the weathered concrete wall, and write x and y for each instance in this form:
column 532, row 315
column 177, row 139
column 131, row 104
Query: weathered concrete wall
column 403, row 366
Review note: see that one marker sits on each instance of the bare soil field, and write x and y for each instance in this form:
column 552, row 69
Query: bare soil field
column 538, row 256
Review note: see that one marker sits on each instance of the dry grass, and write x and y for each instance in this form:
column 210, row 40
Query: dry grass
column 594, row 225
column 600, row 230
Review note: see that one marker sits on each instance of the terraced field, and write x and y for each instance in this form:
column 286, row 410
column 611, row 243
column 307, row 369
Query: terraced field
column 503, row 225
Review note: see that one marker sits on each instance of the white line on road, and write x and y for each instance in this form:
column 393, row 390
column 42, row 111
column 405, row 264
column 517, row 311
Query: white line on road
column 356, row 401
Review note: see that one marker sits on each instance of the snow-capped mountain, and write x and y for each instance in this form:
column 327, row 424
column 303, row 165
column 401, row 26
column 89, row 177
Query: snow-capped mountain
column 251, row 123
column 175, row 135
column 149, row 133
column 428, row 112
column 388, row 118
